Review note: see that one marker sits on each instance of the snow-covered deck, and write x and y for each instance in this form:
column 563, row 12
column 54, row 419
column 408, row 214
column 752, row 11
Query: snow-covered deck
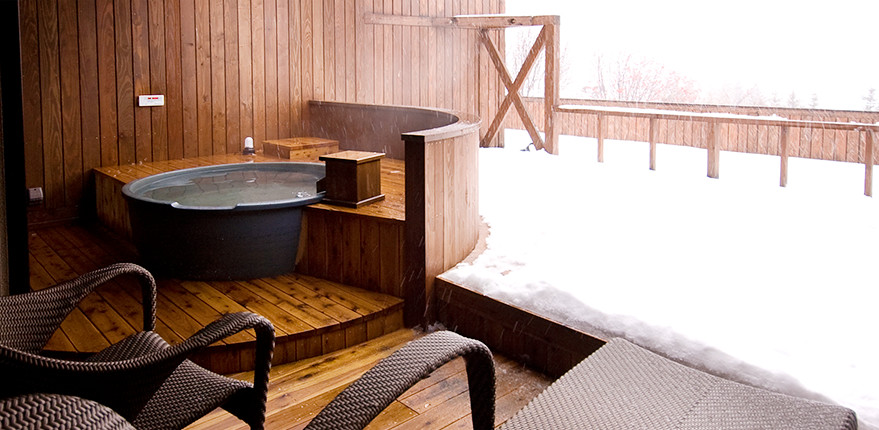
column 766, row 285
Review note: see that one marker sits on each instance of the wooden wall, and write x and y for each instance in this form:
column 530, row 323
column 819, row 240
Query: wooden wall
column 838, row 145
column 442, row 210
column 535, row 341
column 228, row 69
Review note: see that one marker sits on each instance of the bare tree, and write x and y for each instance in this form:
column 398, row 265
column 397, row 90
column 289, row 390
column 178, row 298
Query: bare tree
column 870, row 100
column 792, row 100
column 633, row 78
column 519, row 42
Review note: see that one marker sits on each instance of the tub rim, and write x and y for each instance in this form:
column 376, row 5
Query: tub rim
column 133, row 190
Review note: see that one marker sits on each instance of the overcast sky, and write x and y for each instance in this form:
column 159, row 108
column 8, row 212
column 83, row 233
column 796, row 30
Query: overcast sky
column 827, row 48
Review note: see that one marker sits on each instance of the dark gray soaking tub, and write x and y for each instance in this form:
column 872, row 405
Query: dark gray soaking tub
column 232, row 221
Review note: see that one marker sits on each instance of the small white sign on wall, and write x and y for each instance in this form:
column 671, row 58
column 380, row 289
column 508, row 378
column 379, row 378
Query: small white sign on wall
column 151, row 100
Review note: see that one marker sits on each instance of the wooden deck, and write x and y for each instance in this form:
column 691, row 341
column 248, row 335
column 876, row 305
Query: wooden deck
column 311, row 316
column 298, row 391
column 112, row 210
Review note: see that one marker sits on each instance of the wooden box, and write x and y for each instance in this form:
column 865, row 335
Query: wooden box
column 353, row 178
column 300, row 148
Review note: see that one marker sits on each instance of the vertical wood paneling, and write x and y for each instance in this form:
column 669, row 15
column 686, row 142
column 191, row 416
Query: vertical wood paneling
column 271, row 68
column 174, row 79
column 50, row 92
column 218, row 77
column 317, row 50
column 350, row 51
column 71, row 115
column 203, row 77
column 228, row 69
column 234, row 141
column 378, row 57
column 245, row 68
column 125, row 83
column 30, row 86
column 295, row 64
column 339, row 48
column 328, row 40
column 257, row 30
column 159, row 114
column 88, row 87
column 284, row 95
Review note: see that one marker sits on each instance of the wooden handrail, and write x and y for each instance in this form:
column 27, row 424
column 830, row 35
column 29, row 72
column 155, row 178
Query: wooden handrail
column 716, row 120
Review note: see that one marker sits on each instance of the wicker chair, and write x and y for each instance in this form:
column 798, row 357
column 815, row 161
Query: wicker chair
column 142, row 378
column 55, row 411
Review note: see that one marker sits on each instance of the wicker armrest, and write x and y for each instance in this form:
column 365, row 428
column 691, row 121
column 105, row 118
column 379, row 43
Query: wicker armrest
column 362, row 401
column 54, row 411
column 127, row 374
column 30, row 319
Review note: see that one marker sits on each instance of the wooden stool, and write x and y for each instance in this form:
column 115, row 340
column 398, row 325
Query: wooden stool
column 353, row 178
column 300, row 148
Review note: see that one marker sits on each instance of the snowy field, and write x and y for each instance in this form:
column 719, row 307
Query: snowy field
column 775, row 287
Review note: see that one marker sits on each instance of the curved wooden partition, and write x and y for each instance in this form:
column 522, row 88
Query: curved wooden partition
column 375, row 128
column 440, row 149
column 442, row 208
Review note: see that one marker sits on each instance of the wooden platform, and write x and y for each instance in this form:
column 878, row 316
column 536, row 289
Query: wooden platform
column 297, row 391
column 311, row 316
column 112, row 210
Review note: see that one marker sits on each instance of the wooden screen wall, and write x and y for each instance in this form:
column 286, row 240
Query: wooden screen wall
column 838, row 145
column 228, row 69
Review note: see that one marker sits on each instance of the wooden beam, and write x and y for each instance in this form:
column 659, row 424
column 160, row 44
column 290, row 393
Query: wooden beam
column 411, row 21
column 652, row 138
column 503, row 21
column 600, row 133
column 868, row 165
column 785, row 145
column 713, row 151
column 551, row 87
column 512, row 88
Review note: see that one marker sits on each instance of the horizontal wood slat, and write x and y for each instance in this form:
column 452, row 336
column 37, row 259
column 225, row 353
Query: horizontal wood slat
column 311, row 316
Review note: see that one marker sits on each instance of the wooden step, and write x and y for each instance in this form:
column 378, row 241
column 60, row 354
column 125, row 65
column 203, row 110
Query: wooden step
column 300, row 148
column 311, row 316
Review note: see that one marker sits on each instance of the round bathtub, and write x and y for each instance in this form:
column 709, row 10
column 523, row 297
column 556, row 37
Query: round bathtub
column 232, row 221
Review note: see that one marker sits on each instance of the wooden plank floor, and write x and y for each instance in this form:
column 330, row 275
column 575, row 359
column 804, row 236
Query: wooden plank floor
column 297, row 391
column 311, row 316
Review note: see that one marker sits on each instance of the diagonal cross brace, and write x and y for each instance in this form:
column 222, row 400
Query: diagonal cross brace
column 513, row 87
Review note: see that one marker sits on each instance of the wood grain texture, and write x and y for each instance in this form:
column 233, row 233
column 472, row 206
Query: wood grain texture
column 297, row 391
column 304, row 310
column 228, row 69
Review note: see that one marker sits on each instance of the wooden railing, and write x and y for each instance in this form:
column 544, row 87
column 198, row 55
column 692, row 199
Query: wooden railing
column 843, row 136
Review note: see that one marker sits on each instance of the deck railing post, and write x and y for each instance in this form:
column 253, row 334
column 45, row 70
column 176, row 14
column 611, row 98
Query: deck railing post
column 551, row 87
column 713, row 151
column 652, row 137
column 868, row 164
column 785, row 140
column 600, row 134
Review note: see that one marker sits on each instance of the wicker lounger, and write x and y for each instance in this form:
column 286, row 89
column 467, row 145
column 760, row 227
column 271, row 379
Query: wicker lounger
column 625, row 386
column 620, row 386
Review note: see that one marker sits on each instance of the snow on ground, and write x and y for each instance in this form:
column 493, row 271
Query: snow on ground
column 774, row 287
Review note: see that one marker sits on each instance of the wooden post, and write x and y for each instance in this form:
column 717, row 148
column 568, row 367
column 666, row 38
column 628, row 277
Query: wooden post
column 652, row 137
column 551, row 87
column 513, row 87
column 785, row 138
column 600, row 133
column 868, row 165
column 713, row 151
